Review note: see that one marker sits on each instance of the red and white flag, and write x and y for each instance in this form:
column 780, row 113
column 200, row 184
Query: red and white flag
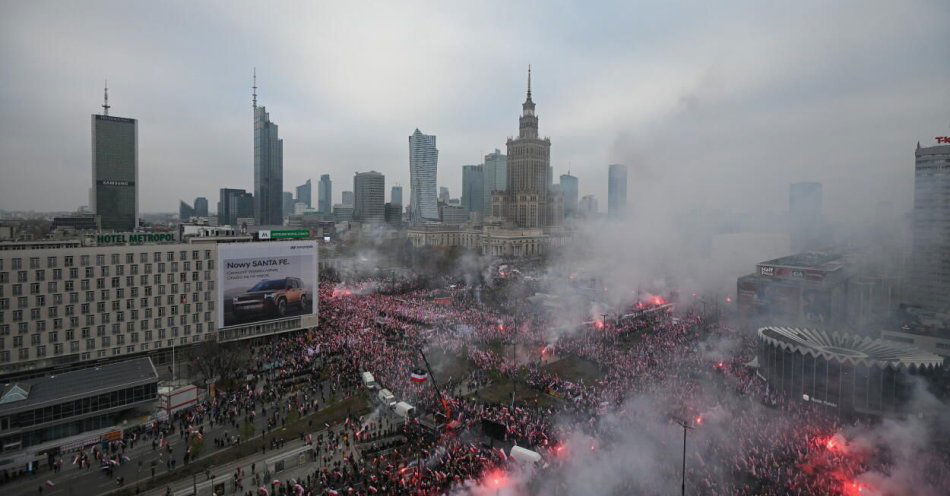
column 419, row 376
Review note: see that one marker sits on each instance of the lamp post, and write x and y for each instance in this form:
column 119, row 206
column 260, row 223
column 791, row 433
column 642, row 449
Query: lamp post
column 685, row 425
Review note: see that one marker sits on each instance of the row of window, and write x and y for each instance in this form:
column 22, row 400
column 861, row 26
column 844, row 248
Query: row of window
column 115, row 281
column 57, row 300
column 16, row 263
column 79, row 407
column 23, row 354
column 104, row 271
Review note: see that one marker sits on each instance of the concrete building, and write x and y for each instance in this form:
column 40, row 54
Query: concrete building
column 617, row 191
column 325, row 194
column 444, row 195
column 370, row 197
column 529, row 201
column 304, row 194
column 395, row 195
column 347, row 198
column 588, row 206
column 569, row 188
column 423, row 170
column 234, row 204
column 342, row 213
column 201, row 207
column 453, row 214
column 473, row 188
column 394, row 215
column 805, row 216
column 185, row 211
column 929, row 282
column 489, row 240
column 115, row 169
column 66, row 304
column 287, row 207
column 268, row 169
column 495, row 172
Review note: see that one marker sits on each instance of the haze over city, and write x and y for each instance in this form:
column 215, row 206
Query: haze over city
column 718, row 106
column 474, row 249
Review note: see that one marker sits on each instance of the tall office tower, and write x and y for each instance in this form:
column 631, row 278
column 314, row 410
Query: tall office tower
column 201, row 207
column 268, row 168
column 303, row 194
column 287, row 204
column 347, row 198
column 930, row 266
column 325, row 194
column 444, row 195
column 473, row 188
column 529, row 200
column 495, row 171
column 369, row 190
column 569, row 189
column 234, row 204
column 423, row 168
column 395, row 196
column 588, row 206
column 617, row 191
column 805, row 215
column 115, row 169
column 185, row 211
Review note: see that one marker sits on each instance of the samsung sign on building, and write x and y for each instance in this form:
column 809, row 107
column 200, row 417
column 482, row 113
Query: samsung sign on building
column 134, row 238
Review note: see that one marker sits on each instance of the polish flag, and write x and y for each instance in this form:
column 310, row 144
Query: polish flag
column 419, row 376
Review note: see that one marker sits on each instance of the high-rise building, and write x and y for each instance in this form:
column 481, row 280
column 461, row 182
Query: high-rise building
column 495, row 172
column 395, row 196
column 444, row 194
column 201, row 207
column 569, row 189
column 394, row 215
column 805, row 216
column 423, row 169
column 529, row 200
column 287, row 205
column 369, row 190
column 473, row 188
column 588, row 206
column 325, row 194
column 234, row 204
column 347, row 198
column 185, row 211
column 930, row 266
column 303, row 194
column 268, row 168
column 617, row 191
column 115, row 169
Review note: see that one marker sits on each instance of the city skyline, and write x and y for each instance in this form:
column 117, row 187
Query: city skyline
column 648, row 111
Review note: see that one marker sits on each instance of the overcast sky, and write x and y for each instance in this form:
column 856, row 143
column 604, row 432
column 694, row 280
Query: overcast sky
column 711, row 106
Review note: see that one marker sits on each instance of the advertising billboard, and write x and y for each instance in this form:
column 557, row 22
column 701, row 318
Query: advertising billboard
column 266, row 281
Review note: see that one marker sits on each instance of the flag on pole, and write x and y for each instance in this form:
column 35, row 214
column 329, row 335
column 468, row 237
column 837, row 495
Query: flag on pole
column 419, row 376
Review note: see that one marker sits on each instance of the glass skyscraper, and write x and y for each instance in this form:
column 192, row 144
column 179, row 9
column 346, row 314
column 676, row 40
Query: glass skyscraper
column 268, row 170
column 325, row 194
column 115, row 170
column 423, row 166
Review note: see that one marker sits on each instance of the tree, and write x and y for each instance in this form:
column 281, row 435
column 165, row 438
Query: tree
column 223, row 362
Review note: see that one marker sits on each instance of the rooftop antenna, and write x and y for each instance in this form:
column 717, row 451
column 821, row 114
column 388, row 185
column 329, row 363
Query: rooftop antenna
column 529, row 81
column 105, row 94
column 254, row 94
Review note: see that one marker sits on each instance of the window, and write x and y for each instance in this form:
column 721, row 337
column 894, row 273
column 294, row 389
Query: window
column 100, row 259
column 68, row 261
column 114, row 259
column 34, row 262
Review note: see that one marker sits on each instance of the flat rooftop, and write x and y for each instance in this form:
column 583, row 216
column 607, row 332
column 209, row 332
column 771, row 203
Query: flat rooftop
column 814, row 260
column 75, row 384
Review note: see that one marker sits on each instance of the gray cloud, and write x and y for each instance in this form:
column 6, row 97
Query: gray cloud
column 718, row 106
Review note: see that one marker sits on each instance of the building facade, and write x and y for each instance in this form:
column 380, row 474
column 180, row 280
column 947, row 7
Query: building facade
column 395, row 195
column 930, row 267
column 185, row 211
column 201, row 207
column 304, row 194
column 569, row 188
column 234, row 204
column 473, row 188
column 347, row 198
column 617, row 191
column 287, row 206
column 370, row 197
column 588, row 206
column 423, row 170
column 529, row 200
column 325, row 194
column 495, row 180
column 115, row 170
column 268, row 170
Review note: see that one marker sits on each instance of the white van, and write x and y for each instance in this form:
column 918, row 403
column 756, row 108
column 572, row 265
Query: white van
column 405, row 410
column 369, row 382
column 524, row 455
column 386, row 397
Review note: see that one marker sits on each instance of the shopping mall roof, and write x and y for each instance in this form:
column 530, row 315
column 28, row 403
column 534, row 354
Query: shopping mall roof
column 849, row 348
column 53, row 389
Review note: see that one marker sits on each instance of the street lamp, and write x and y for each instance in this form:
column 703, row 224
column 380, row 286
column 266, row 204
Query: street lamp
column 685, row 425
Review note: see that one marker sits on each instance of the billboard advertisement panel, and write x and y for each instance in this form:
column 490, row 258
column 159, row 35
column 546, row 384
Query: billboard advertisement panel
column 266, row 281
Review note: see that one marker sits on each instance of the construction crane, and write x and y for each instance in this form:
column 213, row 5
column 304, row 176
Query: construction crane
column 445, row 404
